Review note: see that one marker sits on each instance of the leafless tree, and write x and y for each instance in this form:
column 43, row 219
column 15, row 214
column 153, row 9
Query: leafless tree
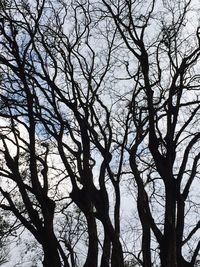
column 164, row 156
column 95, row 95
column 53, row 75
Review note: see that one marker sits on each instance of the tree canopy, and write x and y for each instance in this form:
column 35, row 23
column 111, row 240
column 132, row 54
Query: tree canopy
column 99, row 129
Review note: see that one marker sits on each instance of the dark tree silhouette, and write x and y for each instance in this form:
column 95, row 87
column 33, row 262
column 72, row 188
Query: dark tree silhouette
column 164, row 157
column 95, row 96
column 52, row 103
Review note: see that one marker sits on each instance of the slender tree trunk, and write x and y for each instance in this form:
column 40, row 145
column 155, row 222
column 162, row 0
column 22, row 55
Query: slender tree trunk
column 168, row 248
column 106, row 251
column 146, row 248
column 146, row 232
column 92, row 256
column 117, row 254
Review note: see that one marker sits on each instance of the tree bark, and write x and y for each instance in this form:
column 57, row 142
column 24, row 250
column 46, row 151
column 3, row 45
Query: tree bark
column 168, row 248
column 92, row 256
column 117, row 255
column 51, row 255
column 106, row 251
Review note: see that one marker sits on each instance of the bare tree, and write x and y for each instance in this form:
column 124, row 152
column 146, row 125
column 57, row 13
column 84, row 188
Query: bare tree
column 94, row 94
column 164, row 156
column 53, row 104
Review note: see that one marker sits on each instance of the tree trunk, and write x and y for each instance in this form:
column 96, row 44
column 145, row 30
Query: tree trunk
column 169, row 246
column 92, row 256
column 146, row 247
column 117, row 255
column 106, row 251
column 51, row 255
column 117, row 252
